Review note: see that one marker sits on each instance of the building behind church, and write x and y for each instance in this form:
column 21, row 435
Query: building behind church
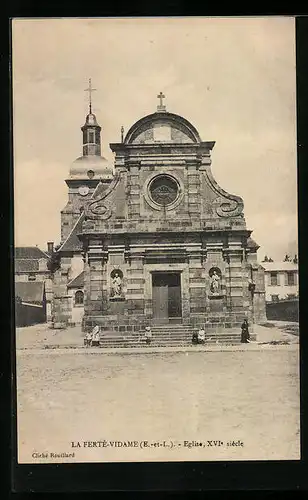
column 33, row 285
column 153, row 239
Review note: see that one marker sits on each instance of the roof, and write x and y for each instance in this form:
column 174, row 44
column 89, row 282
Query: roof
column 171, row 118
column 29, row 253
column 279, row 266
column 77, row 282
column 72, row 242
column 30, row 291
column 26, row 265
column 100, row 167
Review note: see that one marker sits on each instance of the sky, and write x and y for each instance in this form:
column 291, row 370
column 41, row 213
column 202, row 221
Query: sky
column 233, row 78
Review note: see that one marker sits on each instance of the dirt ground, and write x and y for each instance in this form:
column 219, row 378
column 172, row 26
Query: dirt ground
column 171, row 400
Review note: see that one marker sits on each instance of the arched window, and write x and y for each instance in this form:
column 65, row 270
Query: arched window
column 79, row 298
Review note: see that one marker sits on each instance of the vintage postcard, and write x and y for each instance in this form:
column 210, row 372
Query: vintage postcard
column 156, row 267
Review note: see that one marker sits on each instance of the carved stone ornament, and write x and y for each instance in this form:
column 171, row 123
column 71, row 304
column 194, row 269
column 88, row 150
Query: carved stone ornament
column 101, row 210
column 226, row 204
column 98, row 208
column 228, row 208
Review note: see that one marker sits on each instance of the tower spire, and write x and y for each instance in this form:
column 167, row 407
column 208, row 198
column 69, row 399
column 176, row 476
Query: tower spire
column 90, row 89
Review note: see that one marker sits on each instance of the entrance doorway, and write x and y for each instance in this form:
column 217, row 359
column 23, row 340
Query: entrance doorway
column 166, row 296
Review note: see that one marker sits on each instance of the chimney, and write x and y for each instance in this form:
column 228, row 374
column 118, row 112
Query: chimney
column 50, row 247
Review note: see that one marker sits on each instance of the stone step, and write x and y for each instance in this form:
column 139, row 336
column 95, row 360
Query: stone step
column 174, row 327
column 170, row 339
column 169, row 336
column 167, row 341
column 117, row 341
column 170, row 332
column 172, row 336
column 156, row 344
column 191, row 329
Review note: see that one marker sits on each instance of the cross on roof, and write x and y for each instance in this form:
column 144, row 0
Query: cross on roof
column 161, row 96
column 90, row 89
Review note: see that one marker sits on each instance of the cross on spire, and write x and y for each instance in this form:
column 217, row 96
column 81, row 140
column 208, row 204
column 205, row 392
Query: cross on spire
column 161, row 106
column 90, row 89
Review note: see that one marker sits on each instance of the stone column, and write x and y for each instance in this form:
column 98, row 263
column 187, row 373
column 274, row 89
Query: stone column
column 60, row 309
column 257, row 300
column 61, row 312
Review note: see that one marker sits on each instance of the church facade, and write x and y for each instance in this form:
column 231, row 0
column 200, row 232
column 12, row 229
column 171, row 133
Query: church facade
column 154, row 240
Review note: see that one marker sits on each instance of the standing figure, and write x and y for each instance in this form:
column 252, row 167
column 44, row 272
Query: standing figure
column 117, row 285
column 96, row 336
column 215, row 279
column 245, row 332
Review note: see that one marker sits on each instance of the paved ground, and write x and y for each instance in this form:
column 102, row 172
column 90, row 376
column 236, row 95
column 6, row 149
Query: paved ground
column 173, row 400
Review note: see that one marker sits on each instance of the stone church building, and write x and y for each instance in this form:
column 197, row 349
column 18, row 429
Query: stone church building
column 153, row 239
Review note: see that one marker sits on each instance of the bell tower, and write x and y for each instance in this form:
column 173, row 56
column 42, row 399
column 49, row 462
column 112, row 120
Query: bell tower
column 91, row 130
column 85, row 172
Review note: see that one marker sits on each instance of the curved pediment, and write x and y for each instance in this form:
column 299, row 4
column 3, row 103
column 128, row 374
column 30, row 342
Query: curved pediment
column 162, row 127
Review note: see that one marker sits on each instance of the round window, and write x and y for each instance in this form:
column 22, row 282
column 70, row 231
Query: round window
column 164, row 190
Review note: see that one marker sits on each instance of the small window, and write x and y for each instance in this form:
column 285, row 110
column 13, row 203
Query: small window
column 79, row 298
column 31, row 277
column 274, row 278
column 91, row 137
column 290, row 278
column 275, row 298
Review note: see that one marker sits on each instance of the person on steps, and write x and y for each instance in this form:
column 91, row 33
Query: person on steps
column 194, row 339
column 245, row 337
column 96, row 336
column 88, row 338
column 148, row 335
column 201, row 336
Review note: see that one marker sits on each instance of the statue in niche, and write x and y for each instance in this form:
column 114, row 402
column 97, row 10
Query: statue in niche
column 117, row 285
column 215, row 282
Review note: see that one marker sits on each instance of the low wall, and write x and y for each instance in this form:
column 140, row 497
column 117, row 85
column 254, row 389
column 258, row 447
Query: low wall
column 284, row 310
column 26, row 314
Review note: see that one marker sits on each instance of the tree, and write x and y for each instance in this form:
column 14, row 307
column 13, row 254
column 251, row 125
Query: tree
column 265, row 259
column 54, row 261
column 295, row 260
column 287, row 258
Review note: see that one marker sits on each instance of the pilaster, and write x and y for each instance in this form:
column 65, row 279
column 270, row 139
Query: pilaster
column 197, row 283
column 133, row 190
column 193, row 189
column 96, row 280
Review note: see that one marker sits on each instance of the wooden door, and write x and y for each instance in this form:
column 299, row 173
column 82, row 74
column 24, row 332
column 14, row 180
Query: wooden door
column 166, row 297
column 160, row 299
